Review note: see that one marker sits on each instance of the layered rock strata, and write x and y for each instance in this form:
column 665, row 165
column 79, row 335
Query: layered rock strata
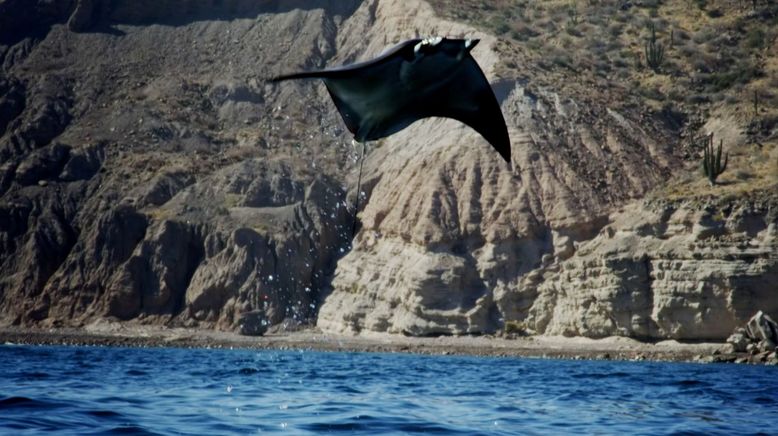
column 681, row 271
column 450, row 230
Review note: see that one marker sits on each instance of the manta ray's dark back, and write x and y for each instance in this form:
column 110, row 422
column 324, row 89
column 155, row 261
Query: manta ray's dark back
column 416, row 79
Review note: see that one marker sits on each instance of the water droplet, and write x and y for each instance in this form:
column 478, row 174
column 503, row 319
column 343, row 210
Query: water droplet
column 270, row 278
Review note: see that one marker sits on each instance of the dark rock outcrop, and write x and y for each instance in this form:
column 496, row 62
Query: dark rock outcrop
column 83, row 163
column 144, row 214
column 12, row 98
column 155, row 277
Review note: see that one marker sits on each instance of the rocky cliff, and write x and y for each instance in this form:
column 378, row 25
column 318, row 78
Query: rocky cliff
column 659, row 269
column 148, row 173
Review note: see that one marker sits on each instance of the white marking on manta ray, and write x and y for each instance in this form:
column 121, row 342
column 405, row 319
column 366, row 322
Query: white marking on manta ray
column 433, row 41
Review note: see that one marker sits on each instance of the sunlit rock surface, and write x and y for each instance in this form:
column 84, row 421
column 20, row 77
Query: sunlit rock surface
column 450, row 230
column 683, row 271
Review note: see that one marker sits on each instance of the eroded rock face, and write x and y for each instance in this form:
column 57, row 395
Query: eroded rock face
column 682, row 271
column 12, row 100
column 78, row 289
column 121, row 196
column 281, row 253
column 405, row 289
column 450, row 230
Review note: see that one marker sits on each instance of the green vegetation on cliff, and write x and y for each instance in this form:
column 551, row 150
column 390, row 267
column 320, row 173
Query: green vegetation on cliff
column 708, row 66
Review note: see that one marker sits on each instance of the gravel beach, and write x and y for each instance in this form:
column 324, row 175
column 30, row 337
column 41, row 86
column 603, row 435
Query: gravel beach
column 615, row 348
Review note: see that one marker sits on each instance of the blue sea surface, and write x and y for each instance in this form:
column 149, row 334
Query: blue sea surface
column 105, row 390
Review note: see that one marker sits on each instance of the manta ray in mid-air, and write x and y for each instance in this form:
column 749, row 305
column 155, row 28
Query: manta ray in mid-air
column 419, row 78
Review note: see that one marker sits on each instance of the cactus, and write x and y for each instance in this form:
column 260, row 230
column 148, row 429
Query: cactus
column 572, row 13
column 756, row 104
column 711, row 162
column 655, row 52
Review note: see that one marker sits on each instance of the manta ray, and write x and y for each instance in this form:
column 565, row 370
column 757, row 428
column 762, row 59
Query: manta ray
column 419, row 78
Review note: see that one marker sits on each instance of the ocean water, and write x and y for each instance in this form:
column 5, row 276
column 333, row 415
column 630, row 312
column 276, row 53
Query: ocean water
column 105, row 390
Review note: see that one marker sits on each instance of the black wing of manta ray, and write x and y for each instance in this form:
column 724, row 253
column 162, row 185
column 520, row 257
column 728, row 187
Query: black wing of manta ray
column 434, row 77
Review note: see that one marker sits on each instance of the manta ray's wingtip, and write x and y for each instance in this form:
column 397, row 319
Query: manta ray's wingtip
column 301, row 75
column 506, row 154
column 501, row 143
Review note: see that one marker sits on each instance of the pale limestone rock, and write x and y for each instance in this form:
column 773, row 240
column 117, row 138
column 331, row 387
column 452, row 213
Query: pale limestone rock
column 654, row 273
column 450, row 231
column 402, row 288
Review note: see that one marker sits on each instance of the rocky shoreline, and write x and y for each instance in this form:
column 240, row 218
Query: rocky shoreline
column 552, row 347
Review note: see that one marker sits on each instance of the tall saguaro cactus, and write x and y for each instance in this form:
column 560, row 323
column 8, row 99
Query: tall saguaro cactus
column 655, row 51
column 711, row 161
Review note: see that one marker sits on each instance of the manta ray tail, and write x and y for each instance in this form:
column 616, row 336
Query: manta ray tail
column 301, row 75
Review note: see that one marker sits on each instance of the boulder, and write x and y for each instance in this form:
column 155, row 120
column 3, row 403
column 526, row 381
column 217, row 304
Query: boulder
column 762, row 328
column 766, row 346
column 739, row 341
column 252, row 323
